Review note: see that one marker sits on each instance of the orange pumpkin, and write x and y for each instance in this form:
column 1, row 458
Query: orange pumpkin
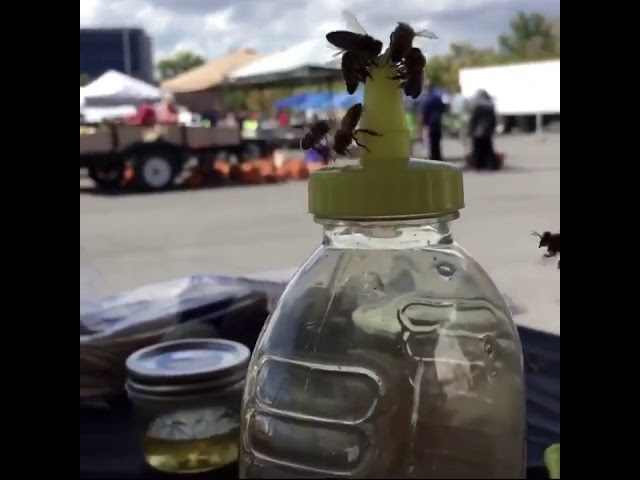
column 235, row 173
column 250, row 173
column 283, row 173
column 195, row 179
column 221, row 169
column 268, row 170
column 299, row 170
column 128, row 174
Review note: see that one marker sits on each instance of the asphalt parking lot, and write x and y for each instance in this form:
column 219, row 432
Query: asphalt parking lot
column 130, row 240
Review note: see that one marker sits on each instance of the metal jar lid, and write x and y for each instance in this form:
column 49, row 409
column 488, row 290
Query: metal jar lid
column 184, row 366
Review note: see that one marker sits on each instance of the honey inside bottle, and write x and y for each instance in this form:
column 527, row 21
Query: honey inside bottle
column 193, row 455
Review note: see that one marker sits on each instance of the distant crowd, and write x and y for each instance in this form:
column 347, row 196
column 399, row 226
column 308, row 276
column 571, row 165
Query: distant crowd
column 480, row 126
column 426, row 118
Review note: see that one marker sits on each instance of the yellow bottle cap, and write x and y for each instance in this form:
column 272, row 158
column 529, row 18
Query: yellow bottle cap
column 387, row 183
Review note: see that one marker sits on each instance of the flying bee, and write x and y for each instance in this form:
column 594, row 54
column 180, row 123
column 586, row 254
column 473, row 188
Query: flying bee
column 411, row 73
column 314, row 137
column 551, row 241
column 346, row 134
column 355, row 39
column 401, row 40
column 354, row 70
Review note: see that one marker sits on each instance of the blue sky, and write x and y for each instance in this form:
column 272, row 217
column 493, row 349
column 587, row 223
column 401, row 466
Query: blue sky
column 213, row 27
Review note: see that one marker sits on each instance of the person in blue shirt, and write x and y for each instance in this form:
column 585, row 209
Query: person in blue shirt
column 433, row 108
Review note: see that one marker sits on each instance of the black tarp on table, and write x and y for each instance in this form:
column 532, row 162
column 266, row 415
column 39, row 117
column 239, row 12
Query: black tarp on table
column 109, row 446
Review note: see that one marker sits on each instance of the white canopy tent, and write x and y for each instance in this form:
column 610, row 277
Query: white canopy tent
column 309, row 60
column 98, row 114
column 115, row 89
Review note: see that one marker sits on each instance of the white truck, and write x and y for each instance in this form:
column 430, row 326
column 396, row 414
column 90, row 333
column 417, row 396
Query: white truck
column 527, row 95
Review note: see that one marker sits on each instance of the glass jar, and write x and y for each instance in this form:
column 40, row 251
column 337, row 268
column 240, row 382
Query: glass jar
column 390, row 354
column 186, row 396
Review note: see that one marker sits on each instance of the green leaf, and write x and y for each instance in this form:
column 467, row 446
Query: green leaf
column 552, row 460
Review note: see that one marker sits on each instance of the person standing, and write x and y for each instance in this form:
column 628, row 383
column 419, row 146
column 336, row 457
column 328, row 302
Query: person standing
column 283, row 118
column 167, row 111
column 433, row 108
column 145, row 115
column 482, row 126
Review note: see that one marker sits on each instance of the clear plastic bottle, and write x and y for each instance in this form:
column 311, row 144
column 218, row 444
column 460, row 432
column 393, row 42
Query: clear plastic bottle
column 391, row 353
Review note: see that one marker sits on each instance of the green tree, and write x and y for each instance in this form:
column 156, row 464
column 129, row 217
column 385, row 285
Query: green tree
column 235, row 99
column 84, row 79
column 178, row 63
column 440, row 71
column 443, row 70
column 554, row 24
column 531, row 37
column 466, row 55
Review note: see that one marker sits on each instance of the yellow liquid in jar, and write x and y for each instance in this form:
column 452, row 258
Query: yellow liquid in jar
column 191, row 456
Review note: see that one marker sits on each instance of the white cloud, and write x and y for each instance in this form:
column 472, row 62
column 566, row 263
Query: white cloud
column 213, row 27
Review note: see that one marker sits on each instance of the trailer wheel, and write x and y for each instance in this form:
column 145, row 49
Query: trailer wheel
column 108, row 177
column 155, row 171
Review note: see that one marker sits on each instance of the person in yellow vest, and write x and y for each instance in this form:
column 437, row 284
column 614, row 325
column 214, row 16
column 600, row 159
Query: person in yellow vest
column 250, row 125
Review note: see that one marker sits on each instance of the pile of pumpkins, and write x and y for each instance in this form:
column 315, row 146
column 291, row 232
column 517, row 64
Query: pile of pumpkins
column 254, row 172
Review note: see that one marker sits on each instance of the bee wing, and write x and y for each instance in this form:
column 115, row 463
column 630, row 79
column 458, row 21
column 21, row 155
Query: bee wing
column 352, row 23
column 338, row 51
column 427, row 34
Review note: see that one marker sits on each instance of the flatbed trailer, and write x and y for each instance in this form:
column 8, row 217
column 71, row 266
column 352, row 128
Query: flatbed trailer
column 156, row 154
